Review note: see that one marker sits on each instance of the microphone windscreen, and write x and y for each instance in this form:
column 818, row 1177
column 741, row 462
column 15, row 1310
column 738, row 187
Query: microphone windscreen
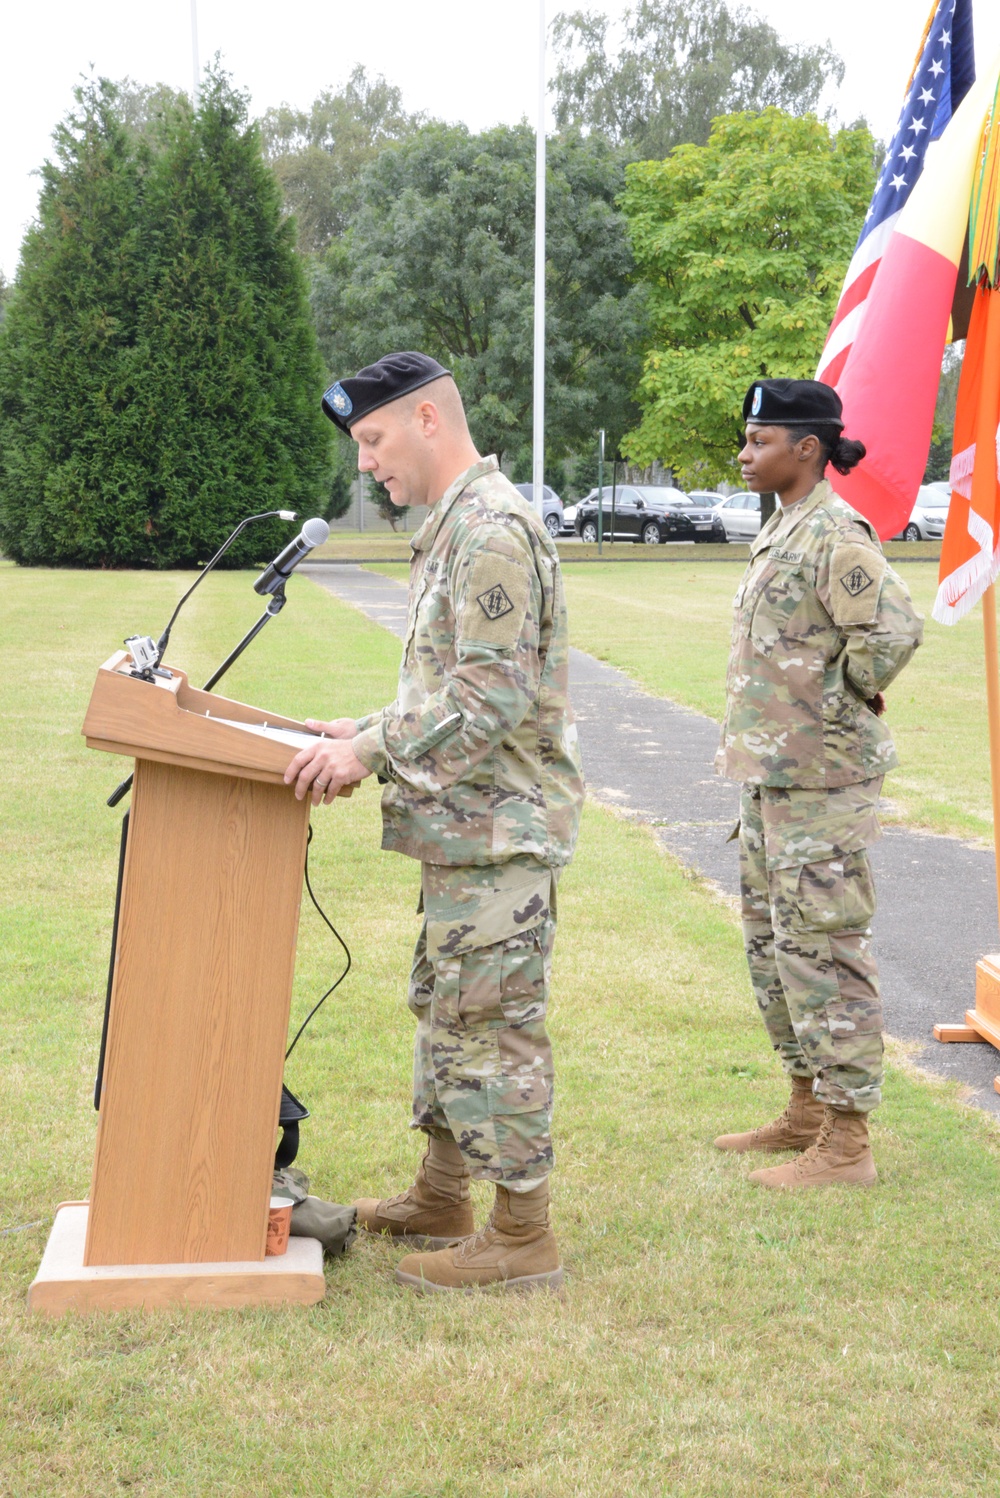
column 315, row 532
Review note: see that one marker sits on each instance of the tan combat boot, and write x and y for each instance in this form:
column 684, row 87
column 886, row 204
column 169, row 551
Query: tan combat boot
column 796, row 1129
column 516, row 1249
column 840, row 1157
column 436, row 1209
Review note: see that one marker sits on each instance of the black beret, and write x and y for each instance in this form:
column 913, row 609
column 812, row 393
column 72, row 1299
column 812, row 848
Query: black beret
column 376, row 385
column 792, row 402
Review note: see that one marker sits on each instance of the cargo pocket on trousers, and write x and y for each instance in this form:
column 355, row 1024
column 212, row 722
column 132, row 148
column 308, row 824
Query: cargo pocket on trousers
column 833, row 894
column 524, row 1094
column 522, row 979
column 848, row 1019
column 479, row 987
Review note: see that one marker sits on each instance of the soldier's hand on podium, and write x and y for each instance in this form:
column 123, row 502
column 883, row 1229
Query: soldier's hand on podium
column 327, row 768
column 339, row 728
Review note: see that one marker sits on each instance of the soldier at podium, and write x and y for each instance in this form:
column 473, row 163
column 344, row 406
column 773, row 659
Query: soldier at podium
column 483, row 786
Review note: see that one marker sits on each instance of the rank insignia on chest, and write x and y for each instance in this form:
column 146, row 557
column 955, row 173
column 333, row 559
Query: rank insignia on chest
column 856, row 581
column 495, row 603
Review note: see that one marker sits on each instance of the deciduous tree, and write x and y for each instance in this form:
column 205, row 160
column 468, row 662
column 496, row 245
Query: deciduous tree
column 742, row 244
column 318, row 155
column 439, row 257
column 681, row 63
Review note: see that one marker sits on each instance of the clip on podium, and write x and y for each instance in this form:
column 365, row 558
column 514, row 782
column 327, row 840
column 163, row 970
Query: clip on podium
column 198, row 1016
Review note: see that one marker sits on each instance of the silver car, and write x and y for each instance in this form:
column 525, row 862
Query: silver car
column 740, row 515
column 927, row 521
column 552, row 506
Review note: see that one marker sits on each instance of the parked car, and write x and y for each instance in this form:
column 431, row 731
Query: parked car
column 568, row 527
column 552, row 506
column 708, row 497
column 927, row 520
column 648, row 514
column 740, row 516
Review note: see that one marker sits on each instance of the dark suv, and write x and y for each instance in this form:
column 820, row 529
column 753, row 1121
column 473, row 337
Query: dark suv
column 650, row 515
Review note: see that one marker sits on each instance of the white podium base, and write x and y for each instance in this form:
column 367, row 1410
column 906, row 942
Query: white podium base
column 64, row 1283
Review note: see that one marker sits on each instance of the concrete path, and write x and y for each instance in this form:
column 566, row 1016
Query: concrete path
column 937, row 896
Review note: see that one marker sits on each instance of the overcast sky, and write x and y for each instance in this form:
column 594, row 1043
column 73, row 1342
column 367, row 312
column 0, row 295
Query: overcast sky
column 471, row 60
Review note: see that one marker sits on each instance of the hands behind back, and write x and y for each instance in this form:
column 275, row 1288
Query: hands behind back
column 329, row 767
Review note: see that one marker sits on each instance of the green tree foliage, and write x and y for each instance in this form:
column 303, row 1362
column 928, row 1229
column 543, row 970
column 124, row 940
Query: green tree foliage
column 743, row 244
column 6, row 291
column 69, row 364
column 682, row 62
column 939, row 457
column 439, row 257
column 318, row 156
column 159, row 375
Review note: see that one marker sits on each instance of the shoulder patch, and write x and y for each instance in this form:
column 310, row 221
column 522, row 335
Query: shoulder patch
column 496, row 601
column 856, row 575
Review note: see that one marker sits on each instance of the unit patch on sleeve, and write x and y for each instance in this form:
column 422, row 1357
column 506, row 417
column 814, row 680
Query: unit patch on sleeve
column 856, row 575
column 496, row 601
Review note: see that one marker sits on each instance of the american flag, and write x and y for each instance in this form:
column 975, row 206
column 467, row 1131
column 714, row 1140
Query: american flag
column 945, row 70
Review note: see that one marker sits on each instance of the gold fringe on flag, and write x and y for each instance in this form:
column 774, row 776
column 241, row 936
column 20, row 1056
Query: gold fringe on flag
column 984, row 211
column 923, row 42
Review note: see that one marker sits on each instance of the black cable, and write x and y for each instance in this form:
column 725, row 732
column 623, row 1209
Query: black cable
column 316, row 1007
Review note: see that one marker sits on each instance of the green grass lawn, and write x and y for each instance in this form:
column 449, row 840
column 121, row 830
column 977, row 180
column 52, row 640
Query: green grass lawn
column 669, row 626
column 712, row 1340
column 669, row 629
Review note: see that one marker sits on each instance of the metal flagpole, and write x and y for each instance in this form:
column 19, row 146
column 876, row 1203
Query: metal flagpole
column 538, row 433
column 196, row 70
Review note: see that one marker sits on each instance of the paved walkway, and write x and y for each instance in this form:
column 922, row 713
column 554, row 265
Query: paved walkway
column 653, row 760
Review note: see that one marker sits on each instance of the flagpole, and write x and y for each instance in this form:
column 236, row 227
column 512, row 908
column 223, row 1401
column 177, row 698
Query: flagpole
column 993, row 718
column 538, row 431
column 195, row 69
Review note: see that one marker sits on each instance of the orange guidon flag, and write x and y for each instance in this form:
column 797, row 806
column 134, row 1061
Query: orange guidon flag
column 970, row 552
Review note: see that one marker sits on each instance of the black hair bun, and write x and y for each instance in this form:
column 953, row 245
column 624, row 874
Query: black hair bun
column 847, row 454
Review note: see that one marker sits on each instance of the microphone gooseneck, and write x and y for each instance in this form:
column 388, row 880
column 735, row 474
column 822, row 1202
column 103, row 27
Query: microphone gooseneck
column 312, row 534
column 163, row 641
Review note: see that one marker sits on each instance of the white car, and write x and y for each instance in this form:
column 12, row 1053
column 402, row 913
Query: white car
column 740, row 515
column 927, row 521
column 568, row 527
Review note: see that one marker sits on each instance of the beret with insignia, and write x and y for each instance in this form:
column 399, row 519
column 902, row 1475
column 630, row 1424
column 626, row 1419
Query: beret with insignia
column 376, row 385
column 792, row 403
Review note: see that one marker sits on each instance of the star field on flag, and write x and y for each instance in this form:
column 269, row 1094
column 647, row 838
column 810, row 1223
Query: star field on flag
column 943, row 74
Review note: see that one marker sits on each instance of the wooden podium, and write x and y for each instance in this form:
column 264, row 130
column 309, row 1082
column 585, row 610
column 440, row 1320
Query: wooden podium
column 198, row 1016
column 982, row 1022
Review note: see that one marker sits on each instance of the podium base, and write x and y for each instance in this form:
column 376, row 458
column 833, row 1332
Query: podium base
column 983, row 1022
column 64, row 1283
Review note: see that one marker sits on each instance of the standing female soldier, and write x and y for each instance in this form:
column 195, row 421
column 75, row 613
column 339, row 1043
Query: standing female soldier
column 822, row 626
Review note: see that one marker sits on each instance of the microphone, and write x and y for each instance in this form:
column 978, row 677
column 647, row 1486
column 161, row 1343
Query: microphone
column 312, row 534
column 164, row 639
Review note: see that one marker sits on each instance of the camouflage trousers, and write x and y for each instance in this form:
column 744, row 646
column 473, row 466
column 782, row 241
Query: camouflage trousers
column 482, row 1065
column 807, row 901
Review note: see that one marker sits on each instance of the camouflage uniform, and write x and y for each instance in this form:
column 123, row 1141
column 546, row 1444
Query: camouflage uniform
column 484, row 787
column 822, row 623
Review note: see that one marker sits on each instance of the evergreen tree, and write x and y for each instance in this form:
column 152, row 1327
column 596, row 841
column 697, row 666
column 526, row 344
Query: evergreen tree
column 231, row 377
column 159, row 376
column 69, row 487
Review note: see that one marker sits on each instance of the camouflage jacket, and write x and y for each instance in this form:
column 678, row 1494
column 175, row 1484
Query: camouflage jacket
column 821, row 624
column 480, row 746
